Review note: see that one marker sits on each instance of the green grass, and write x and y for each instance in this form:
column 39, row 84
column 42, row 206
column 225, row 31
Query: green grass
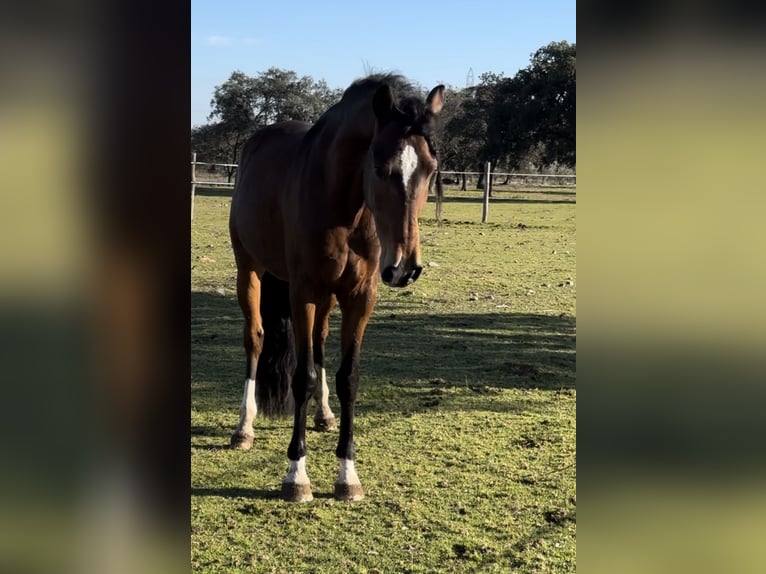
column 465, row 427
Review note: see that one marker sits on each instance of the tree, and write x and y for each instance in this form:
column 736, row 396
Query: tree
column 281, row 95
column 470, row 127
column 553, row 81
column 465, row 132
column 527, row 118
column 205, row 140
column 243, row 103
column 534, row 112
column 233, row 119
column 452, row 149
column 218, row 143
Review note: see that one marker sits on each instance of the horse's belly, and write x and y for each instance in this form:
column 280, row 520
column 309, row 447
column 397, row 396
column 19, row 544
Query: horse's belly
column 263, row 240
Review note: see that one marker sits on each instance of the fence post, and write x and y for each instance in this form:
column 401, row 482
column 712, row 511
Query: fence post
column 487, row 184
column 194, row 179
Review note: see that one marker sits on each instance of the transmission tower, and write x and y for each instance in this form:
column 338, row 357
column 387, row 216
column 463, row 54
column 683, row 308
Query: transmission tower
column 469, row 78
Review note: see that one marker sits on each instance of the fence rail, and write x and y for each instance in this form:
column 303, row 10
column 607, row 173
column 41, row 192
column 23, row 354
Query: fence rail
column 489, row 176
column 221, row 164
column 512, row 174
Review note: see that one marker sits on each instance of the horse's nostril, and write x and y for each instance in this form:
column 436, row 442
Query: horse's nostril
column 416, row 273
column 388, row 274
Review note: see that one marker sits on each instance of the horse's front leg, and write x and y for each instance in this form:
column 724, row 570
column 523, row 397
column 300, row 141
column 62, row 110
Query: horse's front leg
column 356, row 312
column 296, row 486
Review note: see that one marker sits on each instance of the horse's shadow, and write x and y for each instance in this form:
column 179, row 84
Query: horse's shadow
column 248, row 493
column 222, row 446
column 236, row 492
column 418, row 354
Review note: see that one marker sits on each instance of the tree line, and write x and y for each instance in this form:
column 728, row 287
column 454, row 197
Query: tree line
column 525, row 122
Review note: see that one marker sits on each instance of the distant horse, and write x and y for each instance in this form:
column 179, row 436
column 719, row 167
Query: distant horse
column 318, row 212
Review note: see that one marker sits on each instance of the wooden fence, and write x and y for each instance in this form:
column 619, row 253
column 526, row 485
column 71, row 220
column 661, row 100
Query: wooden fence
column 489, row 178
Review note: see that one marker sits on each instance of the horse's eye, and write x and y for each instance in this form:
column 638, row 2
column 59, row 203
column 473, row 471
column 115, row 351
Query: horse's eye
column 381, row 171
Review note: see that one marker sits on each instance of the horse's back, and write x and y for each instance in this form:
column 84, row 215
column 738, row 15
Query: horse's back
column 256, row 222
column 266, row 157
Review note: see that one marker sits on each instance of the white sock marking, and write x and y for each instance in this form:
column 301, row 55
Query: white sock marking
column 409, row 163
column 248, row 409
column 323, row 396
column 347, row 472
column 296, row 473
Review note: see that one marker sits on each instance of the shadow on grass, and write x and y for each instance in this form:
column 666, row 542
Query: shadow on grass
column 260, row 493
column 405, row 356
column 215, row 447
column 234, row 492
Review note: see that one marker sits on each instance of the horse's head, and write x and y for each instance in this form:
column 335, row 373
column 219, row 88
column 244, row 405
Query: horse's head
column 400, row 165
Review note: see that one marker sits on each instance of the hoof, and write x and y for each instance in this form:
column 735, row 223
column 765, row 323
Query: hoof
column 292, row 492
column 348, row 491
column 241, row 441
column 324, row 424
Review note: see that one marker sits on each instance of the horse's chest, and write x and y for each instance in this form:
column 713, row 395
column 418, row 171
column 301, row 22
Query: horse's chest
column 364, row 245
column 347, row 257
column 334, row 264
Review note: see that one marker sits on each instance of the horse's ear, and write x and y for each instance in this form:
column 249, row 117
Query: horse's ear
column 435, row 100
column 383, row 103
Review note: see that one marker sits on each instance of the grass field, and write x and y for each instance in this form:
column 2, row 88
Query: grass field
column 465, row 427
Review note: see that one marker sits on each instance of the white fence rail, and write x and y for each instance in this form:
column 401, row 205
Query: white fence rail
column 571, row 179
column 489, row 176
column 206, row 183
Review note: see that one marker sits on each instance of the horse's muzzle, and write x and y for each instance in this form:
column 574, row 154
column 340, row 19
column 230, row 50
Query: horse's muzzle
column 397, row 277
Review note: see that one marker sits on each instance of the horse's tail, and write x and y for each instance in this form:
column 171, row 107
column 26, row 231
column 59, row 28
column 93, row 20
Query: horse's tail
column 277, row 362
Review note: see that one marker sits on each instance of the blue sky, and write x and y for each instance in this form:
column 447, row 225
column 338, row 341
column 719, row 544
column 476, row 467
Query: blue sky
column 429, row 42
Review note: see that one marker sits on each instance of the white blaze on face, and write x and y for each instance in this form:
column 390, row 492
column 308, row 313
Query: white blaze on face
column 409, row 163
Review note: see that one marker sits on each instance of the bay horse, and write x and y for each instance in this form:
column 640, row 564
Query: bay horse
column 317, row 214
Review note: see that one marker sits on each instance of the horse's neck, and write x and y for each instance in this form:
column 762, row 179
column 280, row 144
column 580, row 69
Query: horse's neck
column 348, row 150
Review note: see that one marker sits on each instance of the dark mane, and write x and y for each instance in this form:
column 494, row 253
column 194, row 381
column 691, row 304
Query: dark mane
column 409, row 99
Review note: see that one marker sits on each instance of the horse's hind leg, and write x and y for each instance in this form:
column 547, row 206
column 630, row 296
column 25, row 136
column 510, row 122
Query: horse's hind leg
column 323, row 417
column 249, row 296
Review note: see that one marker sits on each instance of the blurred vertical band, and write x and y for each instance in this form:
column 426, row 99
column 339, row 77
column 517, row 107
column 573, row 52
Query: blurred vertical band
column 94, row 286
column 671, row 435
